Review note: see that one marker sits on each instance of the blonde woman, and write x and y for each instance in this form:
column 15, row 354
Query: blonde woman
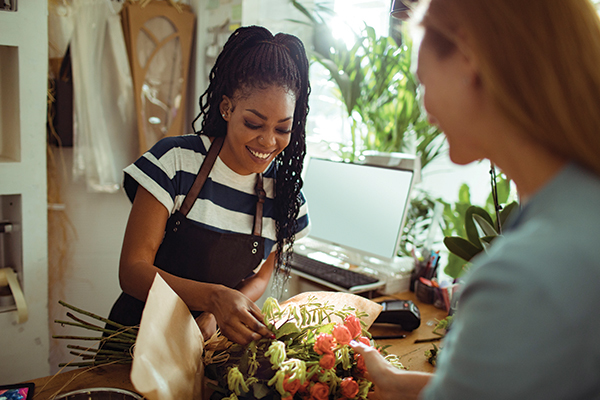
column 518, row 83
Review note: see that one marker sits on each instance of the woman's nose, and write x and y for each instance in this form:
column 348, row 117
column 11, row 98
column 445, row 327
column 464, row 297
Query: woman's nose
column 267, row 139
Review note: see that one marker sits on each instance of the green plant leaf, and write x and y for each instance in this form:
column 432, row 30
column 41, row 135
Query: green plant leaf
column 260, row 390
column 464, row 194
column 243, row 364
column 470, row 228
column 304, row 11
column 503, row 187
column 488, row 239
column 507, row 211
column 461, row 247
column 289, row 328
column 456, row 266
column 485, row 226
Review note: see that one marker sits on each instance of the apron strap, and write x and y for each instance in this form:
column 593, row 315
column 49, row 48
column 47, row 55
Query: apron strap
column 207, row 165
column 205, row 169
column 260, row 192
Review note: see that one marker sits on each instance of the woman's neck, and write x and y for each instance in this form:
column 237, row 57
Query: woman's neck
column 529, row 165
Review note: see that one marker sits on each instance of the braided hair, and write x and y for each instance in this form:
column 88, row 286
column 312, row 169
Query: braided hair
column 253, row 58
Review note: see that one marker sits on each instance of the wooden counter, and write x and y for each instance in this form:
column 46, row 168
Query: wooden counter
column 117, row 376
column 412, row 355
column 114, row 376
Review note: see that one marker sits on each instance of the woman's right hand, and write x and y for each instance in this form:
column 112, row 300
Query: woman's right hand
column 389, row 382
column 238, row 317
column 379, row 371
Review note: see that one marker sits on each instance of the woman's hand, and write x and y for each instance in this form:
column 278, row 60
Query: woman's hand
column 239, row 319
column 379, row 371
column 389, row 382
column 207, row 324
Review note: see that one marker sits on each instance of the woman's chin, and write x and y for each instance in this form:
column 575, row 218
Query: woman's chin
column 461, row 159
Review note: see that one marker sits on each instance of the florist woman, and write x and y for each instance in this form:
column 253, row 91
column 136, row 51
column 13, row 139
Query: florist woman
column 215, row 213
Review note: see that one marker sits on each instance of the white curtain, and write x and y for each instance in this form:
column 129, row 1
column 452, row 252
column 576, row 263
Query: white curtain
column 105, row 135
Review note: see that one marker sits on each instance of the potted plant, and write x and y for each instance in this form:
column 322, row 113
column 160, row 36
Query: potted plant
column 380, row 94
column 469, row 229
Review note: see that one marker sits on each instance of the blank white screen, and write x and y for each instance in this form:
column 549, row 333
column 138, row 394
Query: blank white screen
column 357, row 206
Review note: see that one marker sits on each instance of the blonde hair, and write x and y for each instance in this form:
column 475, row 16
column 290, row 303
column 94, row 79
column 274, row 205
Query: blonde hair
column 539, row 60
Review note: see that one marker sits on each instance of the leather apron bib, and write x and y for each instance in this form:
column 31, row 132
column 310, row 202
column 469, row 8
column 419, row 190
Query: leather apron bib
column 193, row 252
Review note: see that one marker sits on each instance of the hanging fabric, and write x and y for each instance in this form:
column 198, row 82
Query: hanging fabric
column 104, row 135
column 159, row 41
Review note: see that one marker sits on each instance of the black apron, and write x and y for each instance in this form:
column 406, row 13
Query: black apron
column 193, row 252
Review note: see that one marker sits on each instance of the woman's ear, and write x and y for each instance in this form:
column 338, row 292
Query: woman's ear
column 471, row 67
column 225, row 107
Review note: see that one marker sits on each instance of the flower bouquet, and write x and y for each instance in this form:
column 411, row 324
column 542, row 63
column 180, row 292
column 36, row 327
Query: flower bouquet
column 309, row 358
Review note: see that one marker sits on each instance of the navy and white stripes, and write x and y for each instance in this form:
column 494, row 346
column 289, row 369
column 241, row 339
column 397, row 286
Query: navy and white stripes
column 226, row 203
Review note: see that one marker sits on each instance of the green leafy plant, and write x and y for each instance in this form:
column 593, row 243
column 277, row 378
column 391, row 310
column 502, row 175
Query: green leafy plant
column 469, row 229
column 380, row 95
column 375, row 83
column 475, row 242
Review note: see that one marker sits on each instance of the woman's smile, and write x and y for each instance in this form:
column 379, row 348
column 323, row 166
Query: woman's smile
column 259, row 125
column 258, row 154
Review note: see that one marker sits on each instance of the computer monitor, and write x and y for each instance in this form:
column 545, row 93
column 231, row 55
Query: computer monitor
column 360, row 207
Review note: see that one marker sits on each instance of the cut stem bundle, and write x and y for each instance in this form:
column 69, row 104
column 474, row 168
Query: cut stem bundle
column 114, row 346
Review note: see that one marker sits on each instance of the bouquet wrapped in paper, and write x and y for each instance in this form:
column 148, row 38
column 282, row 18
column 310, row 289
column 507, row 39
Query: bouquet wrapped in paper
column 309, row 358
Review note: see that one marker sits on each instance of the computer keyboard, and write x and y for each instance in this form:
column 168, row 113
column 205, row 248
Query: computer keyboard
column 342, row 278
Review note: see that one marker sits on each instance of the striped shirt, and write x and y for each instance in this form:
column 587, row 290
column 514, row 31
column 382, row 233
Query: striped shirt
column 227, row 201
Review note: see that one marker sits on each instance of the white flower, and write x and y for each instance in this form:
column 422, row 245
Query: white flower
column 277, row 354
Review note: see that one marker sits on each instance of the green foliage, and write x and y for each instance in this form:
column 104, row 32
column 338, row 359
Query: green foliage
column 375, row 83
column 380, row 93
column 469, row 229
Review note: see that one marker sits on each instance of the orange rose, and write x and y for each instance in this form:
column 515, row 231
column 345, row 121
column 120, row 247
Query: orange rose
column 324, row 343
column 319, row 391
column 291, row 386
column 364, row 340
column 353, row 325
column 342, row 334
column 349, row 387
column 327, row 361
column 360, row 364
column 304, row 387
